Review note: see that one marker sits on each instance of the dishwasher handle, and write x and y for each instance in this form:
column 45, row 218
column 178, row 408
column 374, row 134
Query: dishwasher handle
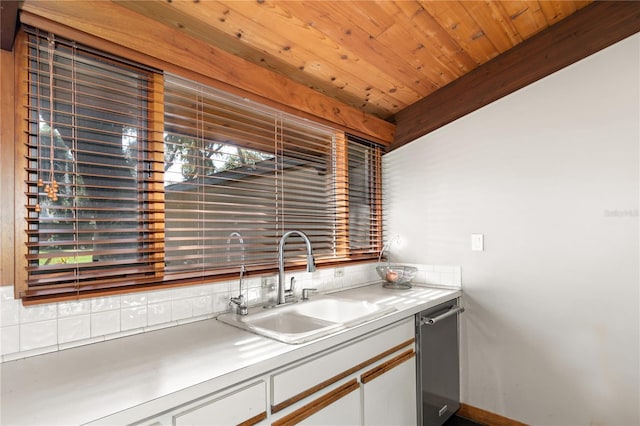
column 453, row 311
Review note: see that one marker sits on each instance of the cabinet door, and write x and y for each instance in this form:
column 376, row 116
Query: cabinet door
column 344, row 412
column 299, row 381
column 246, row 406
column 339, row 407
column 389, row 392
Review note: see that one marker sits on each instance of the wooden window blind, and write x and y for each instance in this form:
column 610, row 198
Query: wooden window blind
column 90, row 184
column 365, row 197
column 238, row 175
column 136, row 178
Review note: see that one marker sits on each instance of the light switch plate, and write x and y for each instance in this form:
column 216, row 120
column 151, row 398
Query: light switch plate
column 477, row 242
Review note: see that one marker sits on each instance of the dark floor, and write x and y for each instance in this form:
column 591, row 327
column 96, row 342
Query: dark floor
column 460, row 421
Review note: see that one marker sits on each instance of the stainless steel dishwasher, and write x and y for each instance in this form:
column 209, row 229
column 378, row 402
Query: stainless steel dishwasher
column 438, row 381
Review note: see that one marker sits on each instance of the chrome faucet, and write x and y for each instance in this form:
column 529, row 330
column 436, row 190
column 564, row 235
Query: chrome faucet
column 311, row 266
column 239, row 301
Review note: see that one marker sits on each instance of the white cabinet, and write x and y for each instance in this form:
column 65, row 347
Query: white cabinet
column 343, row 412
column 337, row 407
column 243, row 404
column 370, row 381
column 246, row 406
column 389, row 392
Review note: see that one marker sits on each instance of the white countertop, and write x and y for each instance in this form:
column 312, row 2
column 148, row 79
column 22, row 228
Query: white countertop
column 82, row 384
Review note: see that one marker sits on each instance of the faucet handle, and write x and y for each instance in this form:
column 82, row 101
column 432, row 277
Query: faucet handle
column 306, row 291
column 240, row 305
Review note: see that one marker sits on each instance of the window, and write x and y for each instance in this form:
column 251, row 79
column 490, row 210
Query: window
column 89, row 164
column 161, row 179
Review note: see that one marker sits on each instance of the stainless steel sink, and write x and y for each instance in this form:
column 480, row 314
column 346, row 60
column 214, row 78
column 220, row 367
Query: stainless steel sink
column 308, row 320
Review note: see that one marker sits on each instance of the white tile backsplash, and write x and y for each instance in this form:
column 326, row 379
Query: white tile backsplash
column 253, row 295
column 39, row 334
column 29, row 352
column 203, row 290
column 82, row 342
column 158, row 313
column 221, row 301
column 6, row 293
column 457, row 276
column 74, row 328
column 225, row 287
column 135, row 299
column 439, row 275
column 203, row 305
column 124, row 333
column 131, row 318
column 9, row 313
column 76, row 307
column 446, row 278
column 160, row 326
column 28, row 331
column 37, row 313
column 9, row 339
column 159, row 296
column 182, row 308
column 106, row 322
column 106, row 303
column 194, row 319
column 186, row 292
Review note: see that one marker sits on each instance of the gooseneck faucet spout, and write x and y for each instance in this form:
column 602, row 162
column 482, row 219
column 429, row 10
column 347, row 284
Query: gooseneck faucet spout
column 311, row 265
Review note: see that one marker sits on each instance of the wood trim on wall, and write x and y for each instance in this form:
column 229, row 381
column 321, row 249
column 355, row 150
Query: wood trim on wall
column 342, row 194
column 485, row 417
column 7, row 102
column 114, row 23
column 585, row 32
column 18, row 142
column 156, row 142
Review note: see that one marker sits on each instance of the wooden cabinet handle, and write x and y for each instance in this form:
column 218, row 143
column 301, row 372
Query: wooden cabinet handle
column 286, row 403
column 318, row 404
column 254, row 420
column 386, row 366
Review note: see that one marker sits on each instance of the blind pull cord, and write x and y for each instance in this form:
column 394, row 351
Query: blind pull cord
column 50, row 188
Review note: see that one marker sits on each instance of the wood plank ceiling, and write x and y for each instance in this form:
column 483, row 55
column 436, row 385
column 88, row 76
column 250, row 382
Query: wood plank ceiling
column 377, row 56
column 388, row 70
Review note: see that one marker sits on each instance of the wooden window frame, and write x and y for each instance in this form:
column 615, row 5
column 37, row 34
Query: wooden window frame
column 21, row 290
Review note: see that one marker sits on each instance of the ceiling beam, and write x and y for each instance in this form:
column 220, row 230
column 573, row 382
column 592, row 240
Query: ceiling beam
column 8, row 23
column 585, row 32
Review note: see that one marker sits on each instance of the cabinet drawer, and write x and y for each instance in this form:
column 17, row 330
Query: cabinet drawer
column 246, row 406
column 304, row 379
column 338, row 407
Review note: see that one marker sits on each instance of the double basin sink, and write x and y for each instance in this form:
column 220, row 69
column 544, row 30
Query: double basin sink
column 307, row 320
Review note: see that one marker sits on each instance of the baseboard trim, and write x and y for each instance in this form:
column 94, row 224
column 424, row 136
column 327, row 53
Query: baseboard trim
column 484, row 417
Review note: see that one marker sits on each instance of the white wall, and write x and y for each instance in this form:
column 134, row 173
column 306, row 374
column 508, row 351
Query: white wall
column 550, row 176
